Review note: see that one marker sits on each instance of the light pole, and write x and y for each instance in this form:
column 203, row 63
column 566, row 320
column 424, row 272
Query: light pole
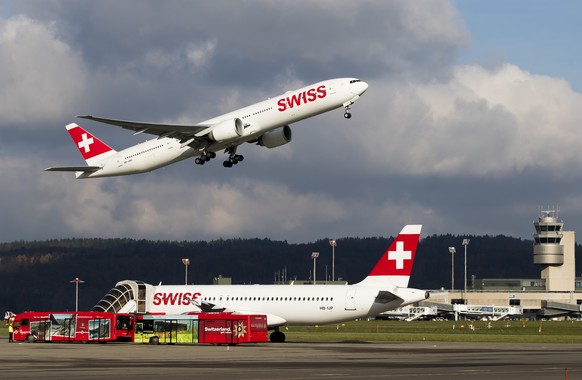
column 186, row 262
column 333, row 243
column 465, row 244
column 452, row 250
column 76, row 280
column 314, row 256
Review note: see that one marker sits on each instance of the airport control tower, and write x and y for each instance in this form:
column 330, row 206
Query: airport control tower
column 554, row 251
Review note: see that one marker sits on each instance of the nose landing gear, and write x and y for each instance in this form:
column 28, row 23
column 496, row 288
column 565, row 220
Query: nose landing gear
column 347, row 113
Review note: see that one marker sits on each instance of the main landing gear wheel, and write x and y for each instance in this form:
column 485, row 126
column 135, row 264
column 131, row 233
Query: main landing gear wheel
column 233, row 159
column 204, row 158
column 277, row 336
column 347, row 115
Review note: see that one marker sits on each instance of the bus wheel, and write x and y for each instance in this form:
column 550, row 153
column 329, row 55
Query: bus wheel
column 154, row 340
column 30, row 338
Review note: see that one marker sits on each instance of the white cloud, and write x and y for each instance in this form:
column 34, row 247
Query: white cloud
column 41, row 76
column 199, row 55
column 156, row 210
column 480, row 122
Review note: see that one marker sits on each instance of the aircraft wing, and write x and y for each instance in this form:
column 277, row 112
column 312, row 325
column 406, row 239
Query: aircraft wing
column 272, row 320
column 207, row 306
column 90, row 169
column 180, row 132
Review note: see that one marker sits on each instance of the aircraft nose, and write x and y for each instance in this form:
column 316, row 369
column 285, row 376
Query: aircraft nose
column 362, row 87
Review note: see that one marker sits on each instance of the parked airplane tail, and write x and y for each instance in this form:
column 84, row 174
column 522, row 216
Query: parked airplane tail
column 91, row 148
column 395, row 265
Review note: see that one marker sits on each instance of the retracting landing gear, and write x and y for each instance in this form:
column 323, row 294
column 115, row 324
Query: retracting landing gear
column 204, row 158
column 233, row 158
column 347, row 113
column 277, row 336
column 347, row 105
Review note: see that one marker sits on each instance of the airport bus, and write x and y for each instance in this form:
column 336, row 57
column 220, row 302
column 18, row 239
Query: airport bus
column 82, row 326
column 209, row 328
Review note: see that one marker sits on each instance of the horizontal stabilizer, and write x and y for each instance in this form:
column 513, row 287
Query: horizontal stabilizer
column 89, row 169
column 386, row 297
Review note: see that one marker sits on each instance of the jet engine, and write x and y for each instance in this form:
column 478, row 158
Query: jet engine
column 276, row 137
column 227, row 130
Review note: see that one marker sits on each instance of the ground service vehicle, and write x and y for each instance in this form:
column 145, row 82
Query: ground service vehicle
column 82, row 326
column 212, row 328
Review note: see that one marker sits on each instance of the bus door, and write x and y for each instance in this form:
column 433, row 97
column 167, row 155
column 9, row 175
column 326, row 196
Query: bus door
column 124, row 327
column 70, row 328
column 41, row 329
column 62, row 327
column 232, row 338
column 100, row 329
column 163, row 330
column 171, row 331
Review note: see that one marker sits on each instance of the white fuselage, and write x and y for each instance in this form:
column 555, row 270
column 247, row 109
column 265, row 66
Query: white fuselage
column 258, row 118
column 283, row 304
column 385, row 288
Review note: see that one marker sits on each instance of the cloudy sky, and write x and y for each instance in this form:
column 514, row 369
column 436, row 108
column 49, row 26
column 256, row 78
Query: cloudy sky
column 471, row 123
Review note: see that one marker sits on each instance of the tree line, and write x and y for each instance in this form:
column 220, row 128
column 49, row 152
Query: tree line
column 36, row 275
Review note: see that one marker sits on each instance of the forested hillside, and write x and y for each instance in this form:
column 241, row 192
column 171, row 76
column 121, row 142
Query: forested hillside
column 36, row 275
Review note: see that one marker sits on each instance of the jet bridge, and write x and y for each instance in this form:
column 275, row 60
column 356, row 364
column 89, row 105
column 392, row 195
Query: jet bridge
column 475, row 311
column 553, row 309
column 410, row 313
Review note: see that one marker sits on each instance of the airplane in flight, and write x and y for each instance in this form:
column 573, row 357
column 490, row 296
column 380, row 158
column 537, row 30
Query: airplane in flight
column 265, row 123
column 385, row 288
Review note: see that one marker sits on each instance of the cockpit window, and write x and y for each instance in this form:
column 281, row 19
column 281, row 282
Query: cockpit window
column 354, row 81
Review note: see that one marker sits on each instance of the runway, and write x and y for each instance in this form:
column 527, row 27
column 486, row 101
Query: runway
column 295, row 360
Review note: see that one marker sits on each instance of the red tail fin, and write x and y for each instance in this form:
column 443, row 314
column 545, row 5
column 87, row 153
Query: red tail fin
column 395, row 265
column 92, row 149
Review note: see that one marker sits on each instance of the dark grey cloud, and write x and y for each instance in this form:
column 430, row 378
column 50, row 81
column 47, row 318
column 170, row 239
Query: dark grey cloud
column 459, row 148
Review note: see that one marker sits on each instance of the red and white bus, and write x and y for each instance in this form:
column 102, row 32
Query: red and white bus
column 82, row 326
column 209, row 328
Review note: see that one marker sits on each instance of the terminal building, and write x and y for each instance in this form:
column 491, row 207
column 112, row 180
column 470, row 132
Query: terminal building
column 556, row 294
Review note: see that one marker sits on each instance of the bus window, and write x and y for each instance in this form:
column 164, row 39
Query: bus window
column 123, row 322
column 148, row 326
column 159, row 326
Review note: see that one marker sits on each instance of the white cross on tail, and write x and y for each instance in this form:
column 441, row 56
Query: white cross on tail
column 85, row 143
column 399, row 255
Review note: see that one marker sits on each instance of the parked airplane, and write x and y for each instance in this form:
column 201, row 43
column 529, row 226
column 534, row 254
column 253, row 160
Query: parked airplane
column 385, row 288
column 265, row 123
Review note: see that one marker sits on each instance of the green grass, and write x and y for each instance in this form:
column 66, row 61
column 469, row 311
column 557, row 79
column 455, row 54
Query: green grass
column 445, row 331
